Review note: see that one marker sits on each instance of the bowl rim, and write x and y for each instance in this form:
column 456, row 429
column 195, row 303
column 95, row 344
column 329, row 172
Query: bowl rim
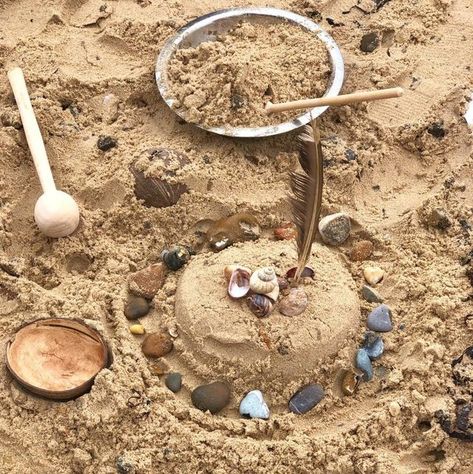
column 336, row 59
column 70, row 323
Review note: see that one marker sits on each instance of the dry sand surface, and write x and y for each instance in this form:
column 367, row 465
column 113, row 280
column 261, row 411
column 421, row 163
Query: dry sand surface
column 412, row 156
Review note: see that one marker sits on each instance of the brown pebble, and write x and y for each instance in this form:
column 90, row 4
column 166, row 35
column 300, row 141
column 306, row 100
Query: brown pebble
column 148, row 281
column 287, row 231
column 361, row 251
column 294, row 303
column 212, row 397
column 136, row 307
column 157, row 344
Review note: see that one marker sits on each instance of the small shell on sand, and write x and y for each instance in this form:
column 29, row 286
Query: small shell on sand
column 229, row 269
column 294, row 303
column 239, row 284
column 264, row 281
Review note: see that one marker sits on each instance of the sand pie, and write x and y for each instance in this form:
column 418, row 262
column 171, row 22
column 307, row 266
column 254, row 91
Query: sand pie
column 223, row 338
column 56, row 358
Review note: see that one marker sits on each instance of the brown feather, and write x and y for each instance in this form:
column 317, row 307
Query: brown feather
column 307, row 193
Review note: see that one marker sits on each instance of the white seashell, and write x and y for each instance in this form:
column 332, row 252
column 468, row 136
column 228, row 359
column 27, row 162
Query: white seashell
column 273, row 295
column 229, row 269
column 264, row 281
column 239, row 284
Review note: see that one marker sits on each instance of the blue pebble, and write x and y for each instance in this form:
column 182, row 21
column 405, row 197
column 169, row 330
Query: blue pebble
column 363, row 362
column 379, row 319
column 373, row 345
column 306, row 398
column 254, row 406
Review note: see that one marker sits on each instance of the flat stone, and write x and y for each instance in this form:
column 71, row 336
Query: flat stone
column 136, row 307
column 369, row 42
column 173, row 382
column 306, row 398
column 371, row 295
column 148, row 281
column 106, row 143
column 379, row 319
column 157, row 344
column 363, row 362
column 335, row 228
column 373, row 345
column 212, row 397
column 361, row 251
column 373, row 275
column 254, row 406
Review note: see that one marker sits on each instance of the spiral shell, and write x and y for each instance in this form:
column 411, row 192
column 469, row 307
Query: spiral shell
column 263, row 280
column 260, row 305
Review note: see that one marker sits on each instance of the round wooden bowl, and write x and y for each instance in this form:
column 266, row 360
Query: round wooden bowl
column 56, row 358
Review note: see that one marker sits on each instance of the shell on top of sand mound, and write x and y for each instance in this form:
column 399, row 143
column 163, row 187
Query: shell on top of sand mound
column 222, row 338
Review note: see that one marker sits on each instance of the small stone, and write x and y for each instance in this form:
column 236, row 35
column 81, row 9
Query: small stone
column 371, row 295
column 369, row 42
column 361, row 251
column 379, row 319
column 176, row 257
column 363, row 362
column 287, row 231
column 437, row 129
column 335, row 228
column 350, row 382
column 124, row 467
column 254, row 406
column 294, row 303
column 306, row 398
column 110, row 109
column 137, row 329
column 350, row 155
column 373, row 275
column 438, row 218
column 136, row 307
column 212, row 397
column 148, row 281
column 173, row 382
column 373, row 345
column 105, row 143
column 157, row 344
column 237, row 101
column 394, row 408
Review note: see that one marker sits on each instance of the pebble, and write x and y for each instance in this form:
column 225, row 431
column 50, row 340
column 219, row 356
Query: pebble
column 294, row 303
column 254, row 406
column 369, row 42
column 437, row 130
column 157, row 344
column 350, row 382
column 379, row 319
column 350, row 155
column 105, row 143
column 373, row 275
column 136, row 307
column 361, row 251
column 335, row 228
column 212, row 397
column 363, row 362
column 173, row 382
column 148, row 281
column 176, row 257
column 137, row 329
column 306, row 398
column 373, row 345
column 371, row 295
column 110, row 108
column 287, row 231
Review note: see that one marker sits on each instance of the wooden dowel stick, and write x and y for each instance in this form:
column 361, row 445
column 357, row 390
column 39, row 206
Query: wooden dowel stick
column 337, row 100
column 31, row 128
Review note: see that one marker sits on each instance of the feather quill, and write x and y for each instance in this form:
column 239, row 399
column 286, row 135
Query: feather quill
column 306, row 200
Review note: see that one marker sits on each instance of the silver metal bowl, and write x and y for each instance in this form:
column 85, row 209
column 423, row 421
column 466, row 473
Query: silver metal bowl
column 207, row 27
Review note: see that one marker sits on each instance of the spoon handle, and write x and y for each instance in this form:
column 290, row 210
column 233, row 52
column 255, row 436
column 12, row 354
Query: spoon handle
column 31, row 128
column 337, row 100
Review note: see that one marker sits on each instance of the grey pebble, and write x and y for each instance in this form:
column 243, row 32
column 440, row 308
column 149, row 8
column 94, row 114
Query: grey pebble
column 136, row 307
column 173, row 381
column 254, row 406
column 363, row 362
column 306, row 398
column 335, row 228
column 105, row 143
column 371, row 295
column 373, row 345
column 379, row 319
column 369, row 42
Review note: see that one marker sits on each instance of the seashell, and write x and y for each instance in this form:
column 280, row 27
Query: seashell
column 260, row 305
column 229, row 269
column 264, row 280
column 294, row 303
column 239, row 284
column 308, row 272
column 283, row 284
column 176, row 256
column 350, row 382
column 173, row 332
column 159, row 191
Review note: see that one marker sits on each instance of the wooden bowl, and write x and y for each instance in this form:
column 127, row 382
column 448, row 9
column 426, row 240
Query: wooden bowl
column 56, row 358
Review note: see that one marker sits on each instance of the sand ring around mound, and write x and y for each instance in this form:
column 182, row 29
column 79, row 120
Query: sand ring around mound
column 222, row 339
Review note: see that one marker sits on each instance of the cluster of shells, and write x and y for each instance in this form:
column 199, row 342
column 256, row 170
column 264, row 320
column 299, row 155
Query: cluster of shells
column 262, row 289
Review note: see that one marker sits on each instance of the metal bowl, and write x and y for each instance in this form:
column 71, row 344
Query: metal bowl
column 207, row 27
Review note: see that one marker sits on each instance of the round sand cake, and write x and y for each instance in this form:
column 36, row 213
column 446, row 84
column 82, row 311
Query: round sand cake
column 224, row 339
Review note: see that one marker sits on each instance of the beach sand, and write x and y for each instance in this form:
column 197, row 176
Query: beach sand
column 393, row 166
